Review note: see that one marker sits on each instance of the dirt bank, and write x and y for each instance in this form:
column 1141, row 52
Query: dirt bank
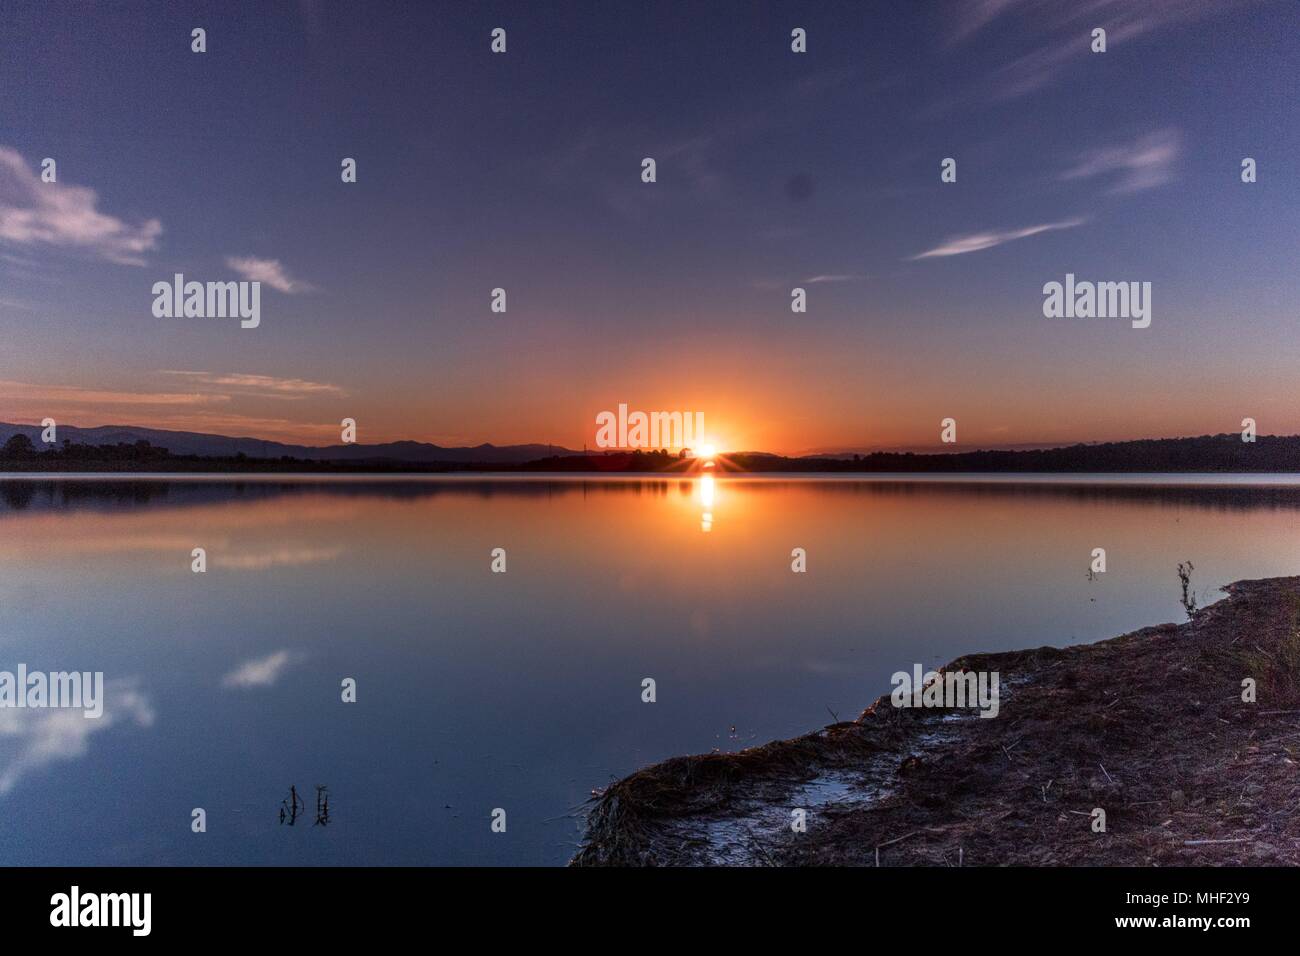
column 1149, row 727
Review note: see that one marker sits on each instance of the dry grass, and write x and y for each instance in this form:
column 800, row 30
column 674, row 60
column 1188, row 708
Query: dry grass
column 1277, row 669
column 1149, row 727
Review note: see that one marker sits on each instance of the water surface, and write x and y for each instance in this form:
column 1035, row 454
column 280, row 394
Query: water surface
column 523, row 690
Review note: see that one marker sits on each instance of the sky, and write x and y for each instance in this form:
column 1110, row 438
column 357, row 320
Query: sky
column 774, row 170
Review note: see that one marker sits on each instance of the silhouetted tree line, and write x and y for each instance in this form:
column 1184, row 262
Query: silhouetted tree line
column 1207, row 453
column 19, row 454
column 19, row 448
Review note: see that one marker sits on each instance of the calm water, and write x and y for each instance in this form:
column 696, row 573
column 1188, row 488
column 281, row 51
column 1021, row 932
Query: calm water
column 522, row 690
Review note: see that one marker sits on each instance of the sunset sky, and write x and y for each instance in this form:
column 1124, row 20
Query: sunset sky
column 775, row 170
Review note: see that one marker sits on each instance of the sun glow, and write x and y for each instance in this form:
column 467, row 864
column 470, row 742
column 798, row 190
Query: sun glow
column 706, row 451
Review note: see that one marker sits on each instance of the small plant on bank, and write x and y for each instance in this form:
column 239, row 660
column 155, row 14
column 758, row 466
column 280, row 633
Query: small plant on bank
column 1188, row 599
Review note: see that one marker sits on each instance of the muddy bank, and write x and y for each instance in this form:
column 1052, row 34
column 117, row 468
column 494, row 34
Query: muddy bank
column 1149, row 727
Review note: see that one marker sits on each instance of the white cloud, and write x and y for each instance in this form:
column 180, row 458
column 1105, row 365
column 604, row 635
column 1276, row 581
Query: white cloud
column 269, row 272
column 1143, row 164
column 1067, row 28
column 31, row 739
column 978, row 241
column 814, row 280
column 266, row 386
column 260, row 672
column 34, row 213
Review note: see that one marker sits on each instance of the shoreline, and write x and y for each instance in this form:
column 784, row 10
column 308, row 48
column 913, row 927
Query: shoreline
column 1244, row 480
column 1149, row 727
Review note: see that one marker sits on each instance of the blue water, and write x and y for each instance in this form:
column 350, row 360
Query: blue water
column 522, row 691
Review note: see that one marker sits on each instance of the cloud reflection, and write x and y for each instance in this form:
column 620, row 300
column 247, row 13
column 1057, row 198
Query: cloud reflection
column 261, row 671
column 278, row 557
column 33, row 738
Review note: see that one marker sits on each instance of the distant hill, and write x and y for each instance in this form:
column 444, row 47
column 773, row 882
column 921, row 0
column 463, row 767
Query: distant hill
column 114, row 448
column 222, row 446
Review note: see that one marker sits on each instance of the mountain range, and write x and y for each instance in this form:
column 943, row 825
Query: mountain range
column 224, row 446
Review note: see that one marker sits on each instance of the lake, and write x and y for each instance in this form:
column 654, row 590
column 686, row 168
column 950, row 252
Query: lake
column 522, row 690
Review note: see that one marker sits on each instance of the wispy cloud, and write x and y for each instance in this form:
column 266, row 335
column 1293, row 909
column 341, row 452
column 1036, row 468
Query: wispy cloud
column 1143, row 164
column 36, row 213
column 268, row 271
column 267, row 386
column 1067, row 29
column 259, row 672
column 834, row 277
column 62, row 394
column 978, row 241
column 39, row 737
column 270, row 429
column 968, row 17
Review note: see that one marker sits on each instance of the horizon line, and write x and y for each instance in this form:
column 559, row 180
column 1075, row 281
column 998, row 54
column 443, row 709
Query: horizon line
column 917, row 448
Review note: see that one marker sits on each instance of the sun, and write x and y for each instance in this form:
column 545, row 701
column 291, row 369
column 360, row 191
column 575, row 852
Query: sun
column 706, row 451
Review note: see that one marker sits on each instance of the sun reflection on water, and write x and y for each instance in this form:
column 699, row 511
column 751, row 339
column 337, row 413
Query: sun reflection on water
column 706, row 502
